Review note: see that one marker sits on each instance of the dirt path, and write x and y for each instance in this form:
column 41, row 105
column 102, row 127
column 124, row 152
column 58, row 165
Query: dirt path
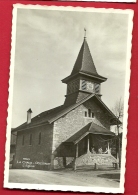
column 78, row 178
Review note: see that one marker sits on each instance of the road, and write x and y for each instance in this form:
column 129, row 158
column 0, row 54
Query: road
column 66, row 177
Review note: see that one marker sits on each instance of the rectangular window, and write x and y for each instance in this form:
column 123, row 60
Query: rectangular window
column 30, row 140
column 89, row 112
column 85, row 113
column 23, row 140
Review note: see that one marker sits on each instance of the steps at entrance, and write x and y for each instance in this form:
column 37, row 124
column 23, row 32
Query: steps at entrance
column 99, row 159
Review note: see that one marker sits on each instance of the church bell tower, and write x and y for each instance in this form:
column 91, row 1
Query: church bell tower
column 84, row 79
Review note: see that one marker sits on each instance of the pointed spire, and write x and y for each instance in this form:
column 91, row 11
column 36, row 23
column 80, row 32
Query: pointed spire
column 84, row 62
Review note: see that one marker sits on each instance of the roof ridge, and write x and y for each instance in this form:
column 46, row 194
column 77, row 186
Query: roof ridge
column 107, row 108
column 37, row 116
column 47, row 111
column 85, row 97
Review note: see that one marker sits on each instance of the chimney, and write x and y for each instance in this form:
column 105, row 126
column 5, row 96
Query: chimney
column 29, row 116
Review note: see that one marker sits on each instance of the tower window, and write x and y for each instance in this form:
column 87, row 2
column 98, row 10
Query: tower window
column 30, row 140
column 83, row 85
column 89, row 112
column 39, row 142
column 23, row 140
column 97, row 88
column 85, row 113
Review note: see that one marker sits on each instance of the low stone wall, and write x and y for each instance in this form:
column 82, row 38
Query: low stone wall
column 99, row 159
column 86, row 159
column 58, row 162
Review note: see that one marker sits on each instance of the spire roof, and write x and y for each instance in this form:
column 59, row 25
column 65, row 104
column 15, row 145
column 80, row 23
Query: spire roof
column 84, row 64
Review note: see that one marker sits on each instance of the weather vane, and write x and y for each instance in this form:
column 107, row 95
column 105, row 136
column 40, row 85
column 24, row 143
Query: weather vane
column 84, row 33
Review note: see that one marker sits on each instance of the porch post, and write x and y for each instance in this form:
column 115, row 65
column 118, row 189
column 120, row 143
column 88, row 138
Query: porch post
column 88, row 144
column 76, row 156
column 108, row 149
column 117, row 164
column 77, row 150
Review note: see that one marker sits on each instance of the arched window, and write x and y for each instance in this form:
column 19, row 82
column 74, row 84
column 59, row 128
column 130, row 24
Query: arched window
column 30, row 140
column 39, row 142
column 23, row 140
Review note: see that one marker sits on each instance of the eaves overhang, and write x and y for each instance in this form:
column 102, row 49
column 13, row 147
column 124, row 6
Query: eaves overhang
column 96, row 77
column 27, row 127
column 72, row 107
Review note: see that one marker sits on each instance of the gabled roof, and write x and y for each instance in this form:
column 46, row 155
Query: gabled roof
column 84, row 65
column 39, row 119
column 66, row 110
column 89, row 128
column 48, row 117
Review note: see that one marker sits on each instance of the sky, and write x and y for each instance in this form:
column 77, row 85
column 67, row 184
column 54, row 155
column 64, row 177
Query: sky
column 47, row 45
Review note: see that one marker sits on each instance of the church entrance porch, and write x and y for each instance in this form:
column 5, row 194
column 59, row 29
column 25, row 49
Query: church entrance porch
column 95, row 150
column 90, row 147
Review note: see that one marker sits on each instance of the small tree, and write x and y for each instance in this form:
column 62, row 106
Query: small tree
column 118, row 110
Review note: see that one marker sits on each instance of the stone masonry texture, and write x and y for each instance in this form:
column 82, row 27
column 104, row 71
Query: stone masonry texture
column 35, row 156
column 72, row 122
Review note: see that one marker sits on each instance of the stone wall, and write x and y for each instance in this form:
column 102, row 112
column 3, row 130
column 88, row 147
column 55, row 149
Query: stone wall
column 99, row 159
column 72, row 122
column 100, row 115
column 68, row 125
column 34, row 156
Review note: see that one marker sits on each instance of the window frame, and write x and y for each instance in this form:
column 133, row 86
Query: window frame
column 89, row 113
column 93, row 115
column 23, row 140
column 30, row 139
column 86, row 113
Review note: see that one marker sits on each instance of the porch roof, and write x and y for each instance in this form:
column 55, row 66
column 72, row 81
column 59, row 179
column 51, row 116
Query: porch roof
column 89, row 128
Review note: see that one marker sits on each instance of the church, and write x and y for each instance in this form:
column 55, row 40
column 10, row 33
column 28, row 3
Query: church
column 77, row 133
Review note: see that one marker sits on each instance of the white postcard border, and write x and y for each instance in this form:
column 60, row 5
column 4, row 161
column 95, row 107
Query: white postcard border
column 11, row 80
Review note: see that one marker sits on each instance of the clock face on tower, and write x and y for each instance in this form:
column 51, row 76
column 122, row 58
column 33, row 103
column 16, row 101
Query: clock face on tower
column 90, row 86
column 87, row 85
